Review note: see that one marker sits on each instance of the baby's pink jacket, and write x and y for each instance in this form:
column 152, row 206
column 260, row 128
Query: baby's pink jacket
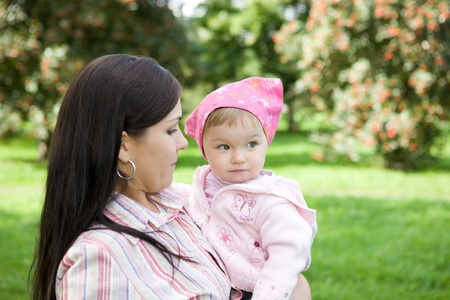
column 263, row 231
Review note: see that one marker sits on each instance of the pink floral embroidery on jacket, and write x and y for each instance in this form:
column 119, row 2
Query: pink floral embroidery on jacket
column 225, row 237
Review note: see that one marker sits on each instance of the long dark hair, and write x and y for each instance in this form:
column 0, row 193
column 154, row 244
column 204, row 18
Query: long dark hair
column 113, row 93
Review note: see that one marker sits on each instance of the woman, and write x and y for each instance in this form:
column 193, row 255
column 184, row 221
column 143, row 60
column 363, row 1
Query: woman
column 112, row 226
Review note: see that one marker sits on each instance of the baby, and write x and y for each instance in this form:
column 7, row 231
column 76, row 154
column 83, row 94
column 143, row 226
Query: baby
column 258, row 223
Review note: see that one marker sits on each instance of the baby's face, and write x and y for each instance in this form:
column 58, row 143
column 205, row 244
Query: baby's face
column 236, row 153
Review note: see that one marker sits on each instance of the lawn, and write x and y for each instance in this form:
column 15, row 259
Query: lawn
column 382, row 234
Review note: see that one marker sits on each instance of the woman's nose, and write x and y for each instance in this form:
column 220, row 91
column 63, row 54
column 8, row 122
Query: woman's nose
column 182, row 142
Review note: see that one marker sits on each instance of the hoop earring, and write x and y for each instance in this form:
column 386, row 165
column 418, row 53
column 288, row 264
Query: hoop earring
column 129, row 177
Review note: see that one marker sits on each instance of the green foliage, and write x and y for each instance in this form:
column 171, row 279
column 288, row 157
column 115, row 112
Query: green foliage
column 236, row 42
column 381, row 68
column 43, row 43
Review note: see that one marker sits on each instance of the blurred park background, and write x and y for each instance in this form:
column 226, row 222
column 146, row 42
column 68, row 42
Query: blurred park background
column 364, row 131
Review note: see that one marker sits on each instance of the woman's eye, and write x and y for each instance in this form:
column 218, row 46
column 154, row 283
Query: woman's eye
column 172, row 131
column 224, row 147
column 251, row 145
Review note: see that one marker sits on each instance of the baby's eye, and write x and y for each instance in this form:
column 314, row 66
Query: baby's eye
column 224, row 147
column 251, row 145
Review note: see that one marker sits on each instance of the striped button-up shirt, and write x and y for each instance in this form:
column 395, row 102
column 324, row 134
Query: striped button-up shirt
column 104, row 264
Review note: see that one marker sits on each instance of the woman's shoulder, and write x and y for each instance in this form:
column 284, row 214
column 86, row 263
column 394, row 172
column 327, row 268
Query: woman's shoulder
column 97, row 246
column 96, row 254
column 102, row 237
column 92, row 243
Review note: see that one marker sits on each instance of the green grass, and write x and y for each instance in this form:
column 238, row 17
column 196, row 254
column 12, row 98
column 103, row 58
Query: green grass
column 382, row 234
column 22, row 180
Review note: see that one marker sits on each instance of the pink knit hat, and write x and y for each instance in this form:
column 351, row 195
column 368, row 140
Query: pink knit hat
column 263, row 97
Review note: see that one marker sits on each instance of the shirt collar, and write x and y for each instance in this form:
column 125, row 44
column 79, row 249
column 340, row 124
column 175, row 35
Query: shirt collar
column 128, row 212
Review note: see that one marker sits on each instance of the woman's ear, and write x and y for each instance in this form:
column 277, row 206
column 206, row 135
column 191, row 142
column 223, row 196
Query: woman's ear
column 124, row 154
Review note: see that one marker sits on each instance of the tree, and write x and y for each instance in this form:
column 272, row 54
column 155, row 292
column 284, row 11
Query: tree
column 43, row 43
column 236, row 40
column 381, row 68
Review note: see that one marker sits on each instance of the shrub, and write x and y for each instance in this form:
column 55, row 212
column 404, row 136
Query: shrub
column 381, row 69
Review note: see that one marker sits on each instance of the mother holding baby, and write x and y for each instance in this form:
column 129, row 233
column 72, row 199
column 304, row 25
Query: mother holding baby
column 113, row 226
